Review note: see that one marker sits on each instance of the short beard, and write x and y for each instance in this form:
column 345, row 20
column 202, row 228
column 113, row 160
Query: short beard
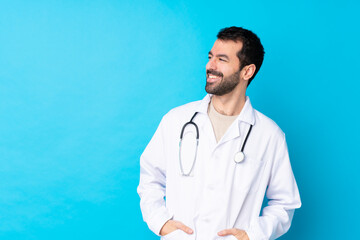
column 225, row 86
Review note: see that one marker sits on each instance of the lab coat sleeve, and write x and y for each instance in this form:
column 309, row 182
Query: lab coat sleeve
column 283, row 198
column 151, row 188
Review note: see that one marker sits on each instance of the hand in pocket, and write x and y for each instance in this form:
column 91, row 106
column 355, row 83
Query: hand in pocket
column 173, row 225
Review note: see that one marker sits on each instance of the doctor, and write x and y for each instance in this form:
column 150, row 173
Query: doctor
column 213, row 188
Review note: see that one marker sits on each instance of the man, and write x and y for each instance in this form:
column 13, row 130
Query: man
column 217, row 190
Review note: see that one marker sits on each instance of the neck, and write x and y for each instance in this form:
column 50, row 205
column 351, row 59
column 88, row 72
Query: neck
column 229, row 104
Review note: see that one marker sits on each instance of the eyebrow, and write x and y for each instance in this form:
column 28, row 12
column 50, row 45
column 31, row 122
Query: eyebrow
column 220, row 55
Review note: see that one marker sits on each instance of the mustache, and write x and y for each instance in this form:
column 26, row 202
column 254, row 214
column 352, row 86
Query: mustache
column 213, row 72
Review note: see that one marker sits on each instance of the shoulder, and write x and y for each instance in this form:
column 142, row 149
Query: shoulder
column 172, row 122
column 183, row 111
column 267, row 125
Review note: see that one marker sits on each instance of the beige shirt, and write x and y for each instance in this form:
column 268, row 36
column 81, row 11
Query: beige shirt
column 219, row 122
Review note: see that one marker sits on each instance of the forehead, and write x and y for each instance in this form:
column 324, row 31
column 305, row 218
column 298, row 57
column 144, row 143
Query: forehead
column 227, row 47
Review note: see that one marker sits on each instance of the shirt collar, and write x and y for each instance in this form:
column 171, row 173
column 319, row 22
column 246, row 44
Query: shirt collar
column 247, row 114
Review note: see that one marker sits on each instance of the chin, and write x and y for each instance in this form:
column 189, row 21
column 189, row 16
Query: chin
column 209, row 90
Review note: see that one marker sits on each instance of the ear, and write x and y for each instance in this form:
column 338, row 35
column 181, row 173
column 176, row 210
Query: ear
column 248, row 71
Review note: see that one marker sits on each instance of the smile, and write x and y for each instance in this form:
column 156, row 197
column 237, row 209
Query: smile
column 213, row 78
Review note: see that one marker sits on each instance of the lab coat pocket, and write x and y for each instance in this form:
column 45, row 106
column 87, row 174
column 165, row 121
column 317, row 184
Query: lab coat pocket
column 248, row 174
column 229, row 237
column 177, row 235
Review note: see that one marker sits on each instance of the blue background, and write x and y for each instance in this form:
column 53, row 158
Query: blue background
column 84, row 84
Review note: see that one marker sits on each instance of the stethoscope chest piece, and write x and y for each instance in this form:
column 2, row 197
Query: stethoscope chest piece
column 239, row 157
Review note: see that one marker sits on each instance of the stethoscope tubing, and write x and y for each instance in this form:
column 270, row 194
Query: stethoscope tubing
column 191, row 122
column 197, row 144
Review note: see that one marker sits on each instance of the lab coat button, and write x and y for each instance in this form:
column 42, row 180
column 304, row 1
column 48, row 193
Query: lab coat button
column 205, row 219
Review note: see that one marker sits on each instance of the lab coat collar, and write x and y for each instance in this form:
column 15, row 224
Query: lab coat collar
column 246, row 115
column 204, row 104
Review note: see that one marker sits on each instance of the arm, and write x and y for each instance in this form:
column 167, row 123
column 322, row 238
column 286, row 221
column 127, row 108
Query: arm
column 152, row 184
column 283, row 198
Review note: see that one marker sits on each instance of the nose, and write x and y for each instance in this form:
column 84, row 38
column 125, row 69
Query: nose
column 211, row 64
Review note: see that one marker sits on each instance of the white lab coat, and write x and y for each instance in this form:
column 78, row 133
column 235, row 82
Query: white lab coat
column 219, row 194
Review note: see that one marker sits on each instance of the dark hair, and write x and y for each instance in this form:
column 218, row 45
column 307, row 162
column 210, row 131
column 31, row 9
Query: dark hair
column 252, row 51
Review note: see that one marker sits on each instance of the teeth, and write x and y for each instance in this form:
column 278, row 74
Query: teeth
column 212, row 76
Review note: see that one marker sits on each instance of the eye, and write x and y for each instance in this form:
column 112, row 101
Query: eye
column 209, row 57
column 222, row 59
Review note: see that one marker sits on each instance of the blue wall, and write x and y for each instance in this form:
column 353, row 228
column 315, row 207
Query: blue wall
column 84, row 84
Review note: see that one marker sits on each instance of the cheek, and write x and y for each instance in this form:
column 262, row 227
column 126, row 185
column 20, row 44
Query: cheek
column 226, row 70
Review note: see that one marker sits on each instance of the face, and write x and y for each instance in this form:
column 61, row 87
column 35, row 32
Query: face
column 223, row 68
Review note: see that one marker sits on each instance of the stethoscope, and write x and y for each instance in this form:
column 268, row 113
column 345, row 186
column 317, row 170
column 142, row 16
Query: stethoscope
column 239, row 156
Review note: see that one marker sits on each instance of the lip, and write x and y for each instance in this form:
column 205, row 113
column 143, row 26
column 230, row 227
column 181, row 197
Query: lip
column 212, row 78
